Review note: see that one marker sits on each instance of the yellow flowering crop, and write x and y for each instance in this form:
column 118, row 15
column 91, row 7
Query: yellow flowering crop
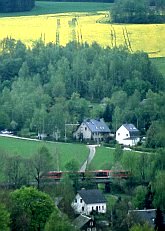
column 62, row 28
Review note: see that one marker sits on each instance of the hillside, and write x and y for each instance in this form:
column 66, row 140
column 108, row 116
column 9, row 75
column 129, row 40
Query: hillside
column 55, row 23
column 65, row 152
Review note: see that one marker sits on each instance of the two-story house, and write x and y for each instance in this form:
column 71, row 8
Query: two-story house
column 90, row 200
column 127, row 135
column 92, row 129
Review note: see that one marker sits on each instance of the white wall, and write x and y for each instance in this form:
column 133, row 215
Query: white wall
column 123, row 135
column 87, row 208
column 100, row 207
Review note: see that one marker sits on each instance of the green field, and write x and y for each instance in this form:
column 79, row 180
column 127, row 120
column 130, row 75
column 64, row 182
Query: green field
column 61, row 7
column 25, row 148
column 103, row 159
column 160, row 64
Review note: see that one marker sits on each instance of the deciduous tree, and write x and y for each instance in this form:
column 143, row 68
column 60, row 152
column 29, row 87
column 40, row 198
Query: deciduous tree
column 4, row 218
column 30, row 209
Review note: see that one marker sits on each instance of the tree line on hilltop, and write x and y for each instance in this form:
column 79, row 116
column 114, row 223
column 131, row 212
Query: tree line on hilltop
column 46, row 86
column 142, row 11
column 16, row 5
column 105, row 1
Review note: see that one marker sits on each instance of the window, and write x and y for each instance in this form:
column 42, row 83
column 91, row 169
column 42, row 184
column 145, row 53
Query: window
column 118, row 134
column 88, row 229
column 103, row 207
column 82, row 208
column 99, row 207
column 85, row 128
column 126, row 134
column 75, row 201
column 80, row 200
column 92, row 208
column 91, row 223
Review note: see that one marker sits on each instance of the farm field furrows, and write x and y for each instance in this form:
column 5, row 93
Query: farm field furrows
column 65, row 151
column 83, row 27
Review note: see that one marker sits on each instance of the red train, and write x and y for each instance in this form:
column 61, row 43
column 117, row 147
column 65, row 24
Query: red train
column 97, row 174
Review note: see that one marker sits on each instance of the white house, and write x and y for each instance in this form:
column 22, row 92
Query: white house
column 127, row 135
column 87, row 201
column 92, row 129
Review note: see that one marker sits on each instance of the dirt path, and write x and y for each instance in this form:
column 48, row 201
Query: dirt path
column 92, row 151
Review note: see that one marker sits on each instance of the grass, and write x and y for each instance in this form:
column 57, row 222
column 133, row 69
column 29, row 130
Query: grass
column 160, row 64
column 25, row 148
column 42, row 8
column 103, row 159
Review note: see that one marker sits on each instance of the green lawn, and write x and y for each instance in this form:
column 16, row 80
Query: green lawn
column 25, row 148
column 160, row 64
column 61, row 7
column 103, row 159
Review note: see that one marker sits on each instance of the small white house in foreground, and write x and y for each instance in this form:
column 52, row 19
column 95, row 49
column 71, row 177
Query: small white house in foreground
column 87, row 201
column 127, row 135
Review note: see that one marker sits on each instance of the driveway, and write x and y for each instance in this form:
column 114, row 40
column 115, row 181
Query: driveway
column 92, row 151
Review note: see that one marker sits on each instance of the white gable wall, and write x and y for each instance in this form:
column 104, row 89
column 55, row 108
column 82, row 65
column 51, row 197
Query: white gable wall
column 81, row 207
column 123, row 135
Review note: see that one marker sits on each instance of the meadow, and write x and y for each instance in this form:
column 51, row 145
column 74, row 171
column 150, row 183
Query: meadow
column 61, row 23
column 65, row 152
column 103, row 159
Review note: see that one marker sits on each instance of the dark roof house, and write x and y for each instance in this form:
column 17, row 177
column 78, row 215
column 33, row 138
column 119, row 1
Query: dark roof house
column 92, row 129
column 83, row 222
column 97, row 125
column 133, row 131
column 128, row 135
column 92, row 196
column 145, row 215
column 87, row 201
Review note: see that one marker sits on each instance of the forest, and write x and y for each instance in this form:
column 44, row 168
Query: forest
column 106, row 1
column 46, row 86
column 142, row 11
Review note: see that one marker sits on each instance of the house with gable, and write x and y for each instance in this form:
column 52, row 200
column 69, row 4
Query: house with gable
column 145, row 216
column 87, row 201
column 92, row 129
column 85, row 223
column 148, row 216
column 128, row 135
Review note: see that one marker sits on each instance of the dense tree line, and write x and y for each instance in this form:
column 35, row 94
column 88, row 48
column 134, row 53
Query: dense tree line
column 142, row 11
column 16, row 5
column 47, row 85
column 106, row 1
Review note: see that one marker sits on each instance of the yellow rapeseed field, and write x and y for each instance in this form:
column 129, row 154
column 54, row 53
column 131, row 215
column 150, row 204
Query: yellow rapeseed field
column 62, row 28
